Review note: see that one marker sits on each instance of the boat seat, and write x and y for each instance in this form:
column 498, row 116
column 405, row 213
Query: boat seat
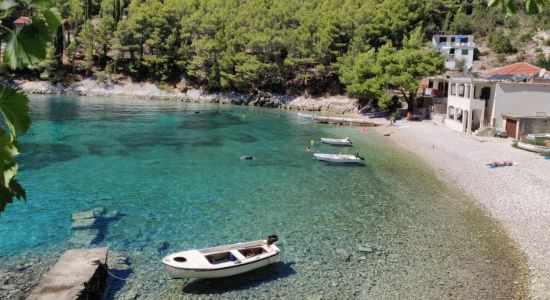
column 237, row 254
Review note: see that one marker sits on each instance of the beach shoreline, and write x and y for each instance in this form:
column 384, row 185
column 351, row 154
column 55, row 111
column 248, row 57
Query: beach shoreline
column 515, row 196
column 333, row 104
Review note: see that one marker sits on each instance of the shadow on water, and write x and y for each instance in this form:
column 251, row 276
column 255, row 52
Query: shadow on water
column 210, row 121
column 101, row 223
column 244, row 138
column 206, row 142
column 243, row 281
column 39, row 155
column 149, row 139
column 94, row 148
column 115, row 284
column 63, row 110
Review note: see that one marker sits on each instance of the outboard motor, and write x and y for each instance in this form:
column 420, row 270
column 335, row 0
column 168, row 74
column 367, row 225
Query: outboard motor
column 272, row 238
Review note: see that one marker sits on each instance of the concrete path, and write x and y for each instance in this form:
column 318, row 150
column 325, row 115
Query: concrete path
column 75, row 274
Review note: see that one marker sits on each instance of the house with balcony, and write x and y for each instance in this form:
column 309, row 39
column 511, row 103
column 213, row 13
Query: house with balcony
column 455, row 48
column 499, row 100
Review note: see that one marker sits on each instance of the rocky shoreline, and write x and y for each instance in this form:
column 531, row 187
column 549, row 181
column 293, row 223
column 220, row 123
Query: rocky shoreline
column 339, row 104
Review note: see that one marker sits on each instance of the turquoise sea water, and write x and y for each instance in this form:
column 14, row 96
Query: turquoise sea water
column 171, row 179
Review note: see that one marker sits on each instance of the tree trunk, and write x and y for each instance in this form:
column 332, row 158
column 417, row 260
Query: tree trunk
column 410, row 101
column 58, row 44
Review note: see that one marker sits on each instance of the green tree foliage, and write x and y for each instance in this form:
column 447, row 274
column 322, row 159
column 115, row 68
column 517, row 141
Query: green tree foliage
column 510, row 6
column 86, row 38
column 373, row 74
column 23, row 48
column 501, row 43
column 542, row 61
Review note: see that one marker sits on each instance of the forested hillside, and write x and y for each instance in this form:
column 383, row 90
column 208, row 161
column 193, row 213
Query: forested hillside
column 283, row 46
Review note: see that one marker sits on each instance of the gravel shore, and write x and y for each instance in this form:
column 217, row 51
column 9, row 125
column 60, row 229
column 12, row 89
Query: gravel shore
column 518, row 196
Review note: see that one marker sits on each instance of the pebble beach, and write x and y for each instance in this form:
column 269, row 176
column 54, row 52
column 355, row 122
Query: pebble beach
column 517, row 196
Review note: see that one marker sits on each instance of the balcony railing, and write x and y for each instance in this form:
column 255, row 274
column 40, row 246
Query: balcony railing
column 454, row 44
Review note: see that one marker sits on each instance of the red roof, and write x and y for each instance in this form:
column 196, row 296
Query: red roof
column 22, row 20
column 519, row 68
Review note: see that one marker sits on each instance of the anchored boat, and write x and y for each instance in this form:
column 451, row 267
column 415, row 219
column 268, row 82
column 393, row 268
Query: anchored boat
column 338, row 158
column 306, row 116
column 222, row 261
column 337, row 142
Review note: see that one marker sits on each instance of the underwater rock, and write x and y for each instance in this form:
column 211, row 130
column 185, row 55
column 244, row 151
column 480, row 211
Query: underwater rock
column 83, row 223
column 84, row 237
column 365, row 248
column 343, row 254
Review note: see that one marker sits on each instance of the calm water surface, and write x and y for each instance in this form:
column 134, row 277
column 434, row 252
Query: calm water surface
column 171, row 179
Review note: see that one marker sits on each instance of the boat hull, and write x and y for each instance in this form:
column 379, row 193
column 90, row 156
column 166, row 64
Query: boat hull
column 337, row 158
column 533, row 148
column 336, row 142
column 236, row 269
column 306, row 116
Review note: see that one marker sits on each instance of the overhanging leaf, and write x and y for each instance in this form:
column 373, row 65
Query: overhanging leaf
column 14, row 108
column 27, row 46
column 7, row 4
column 52, row 18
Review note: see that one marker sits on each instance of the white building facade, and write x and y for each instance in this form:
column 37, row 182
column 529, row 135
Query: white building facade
column 476, row 103
column 455, row 48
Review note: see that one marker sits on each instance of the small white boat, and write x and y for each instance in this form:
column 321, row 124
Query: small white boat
column 337, row 142
column 338, row 158
column 305, row 116
column 533, row 148
column 222, row 261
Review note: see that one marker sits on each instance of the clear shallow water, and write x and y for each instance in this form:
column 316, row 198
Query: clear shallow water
column 173, row 180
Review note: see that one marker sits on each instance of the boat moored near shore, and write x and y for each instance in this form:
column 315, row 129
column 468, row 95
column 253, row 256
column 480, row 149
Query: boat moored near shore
column 222, row 261
column 338, row 158
column 337, row 142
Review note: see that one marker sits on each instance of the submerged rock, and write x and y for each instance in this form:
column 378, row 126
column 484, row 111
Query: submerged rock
column 84, row 237
column 365, row 248
column 343, row 254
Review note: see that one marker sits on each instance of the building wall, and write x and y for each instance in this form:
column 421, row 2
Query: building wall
column 520, row 98
column 491, row 103
column 445, row 48
column 533, row 125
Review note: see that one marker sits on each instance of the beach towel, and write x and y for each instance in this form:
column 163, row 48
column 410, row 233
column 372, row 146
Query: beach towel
column 498, row 164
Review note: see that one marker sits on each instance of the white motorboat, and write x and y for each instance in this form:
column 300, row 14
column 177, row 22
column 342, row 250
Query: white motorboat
column 337, row 142
column 305, row 116
column 222, row 261
column 338, row 158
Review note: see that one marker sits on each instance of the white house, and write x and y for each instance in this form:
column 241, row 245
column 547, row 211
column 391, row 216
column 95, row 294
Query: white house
column 455, row 48
column 474, row 103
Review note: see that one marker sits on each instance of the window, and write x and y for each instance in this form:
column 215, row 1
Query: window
column 452, row 39
column 443, row 39
column 453, row 89
column 451, row 112
column 461, row 90
column 459, row 115
column 485, row 93
column 465, row 51
column 430, row 83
